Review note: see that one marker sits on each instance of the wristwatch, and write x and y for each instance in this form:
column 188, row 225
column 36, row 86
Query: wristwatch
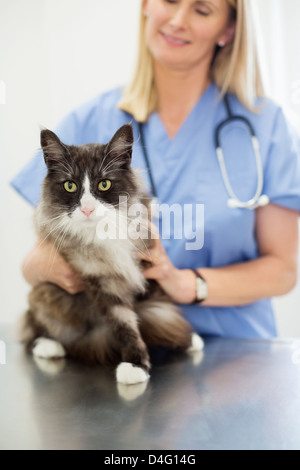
column 201, row 288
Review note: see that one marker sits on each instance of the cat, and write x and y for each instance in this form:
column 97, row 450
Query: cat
column 119, row 314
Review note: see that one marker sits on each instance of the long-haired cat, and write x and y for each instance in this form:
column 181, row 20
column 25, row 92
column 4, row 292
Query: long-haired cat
column 88, row 193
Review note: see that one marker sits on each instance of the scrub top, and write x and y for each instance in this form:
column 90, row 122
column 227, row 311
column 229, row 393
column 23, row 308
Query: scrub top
column 186, row 172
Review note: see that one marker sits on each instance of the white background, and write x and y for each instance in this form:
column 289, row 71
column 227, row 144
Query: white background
column 56, row 54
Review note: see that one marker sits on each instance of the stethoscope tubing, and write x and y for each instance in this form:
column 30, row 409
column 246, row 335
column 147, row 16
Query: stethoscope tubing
column 258, row 199
column 147, row 161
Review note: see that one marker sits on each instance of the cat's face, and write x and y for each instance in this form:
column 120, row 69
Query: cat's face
column 84, row 183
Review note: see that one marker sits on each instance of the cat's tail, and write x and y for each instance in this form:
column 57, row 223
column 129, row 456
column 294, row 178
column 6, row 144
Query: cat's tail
column 162, row 325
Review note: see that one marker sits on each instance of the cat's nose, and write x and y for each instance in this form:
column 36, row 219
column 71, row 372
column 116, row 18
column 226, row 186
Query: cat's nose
column 87, row 210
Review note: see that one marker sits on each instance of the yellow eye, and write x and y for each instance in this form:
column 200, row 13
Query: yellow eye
column 70, row 186
column 104, row 185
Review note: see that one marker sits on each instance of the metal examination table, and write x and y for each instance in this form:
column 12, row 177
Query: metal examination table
column 238, row 394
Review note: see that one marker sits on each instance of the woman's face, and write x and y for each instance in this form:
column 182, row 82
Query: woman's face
column 182, row 34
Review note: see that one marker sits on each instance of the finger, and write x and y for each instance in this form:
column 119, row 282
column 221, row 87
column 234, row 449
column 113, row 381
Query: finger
column 68, row 279
column 156, row 250
column 152, row 258
column 144, row 256
column 74, row 288
column 151, row 273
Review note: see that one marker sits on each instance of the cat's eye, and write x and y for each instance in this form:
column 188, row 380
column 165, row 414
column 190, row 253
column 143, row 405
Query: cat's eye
column 70, row 186
column 104, row 185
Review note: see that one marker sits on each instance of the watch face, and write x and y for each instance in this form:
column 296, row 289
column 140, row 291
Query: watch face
column 201, row 289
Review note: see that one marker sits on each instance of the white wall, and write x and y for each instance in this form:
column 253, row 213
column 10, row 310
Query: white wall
column 56, row 54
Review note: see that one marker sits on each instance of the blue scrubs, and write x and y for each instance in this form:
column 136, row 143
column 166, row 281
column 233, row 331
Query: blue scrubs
column 186, row 171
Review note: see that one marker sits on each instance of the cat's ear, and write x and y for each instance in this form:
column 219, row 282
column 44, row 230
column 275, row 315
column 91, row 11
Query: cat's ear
column 54, row 150
column 119, row 148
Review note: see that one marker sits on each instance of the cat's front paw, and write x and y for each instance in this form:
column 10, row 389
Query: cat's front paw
column 195, row 350
column 48, row 349
column 197, row 343
column 130, row 374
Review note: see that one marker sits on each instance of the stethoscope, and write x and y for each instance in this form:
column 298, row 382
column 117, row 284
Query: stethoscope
column 259, row 199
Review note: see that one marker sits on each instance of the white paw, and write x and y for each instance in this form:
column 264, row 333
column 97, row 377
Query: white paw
column 48, row 349
column 129, row 374
column 197, row 343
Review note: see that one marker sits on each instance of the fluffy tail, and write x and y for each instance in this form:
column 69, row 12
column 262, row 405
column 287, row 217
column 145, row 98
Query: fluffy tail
column 162, row 325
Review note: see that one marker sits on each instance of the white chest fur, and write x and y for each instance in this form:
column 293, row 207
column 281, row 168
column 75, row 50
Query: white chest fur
column 109, row 257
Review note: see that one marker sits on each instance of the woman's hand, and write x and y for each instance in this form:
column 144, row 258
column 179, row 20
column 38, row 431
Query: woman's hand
column 179, row 284
column 44, row 264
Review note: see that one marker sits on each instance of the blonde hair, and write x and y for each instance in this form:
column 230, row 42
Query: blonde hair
column 235, row 68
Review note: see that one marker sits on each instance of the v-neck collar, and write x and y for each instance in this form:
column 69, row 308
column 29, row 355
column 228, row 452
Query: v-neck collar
column 190, row 124
column 165, row 152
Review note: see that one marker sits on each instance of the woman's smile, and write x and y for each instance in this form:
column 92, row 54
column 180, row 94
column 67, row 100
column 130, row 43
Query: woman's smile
column 173, row 41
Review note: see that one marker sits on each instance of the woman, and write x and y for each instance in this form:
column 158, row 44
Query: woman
column 192, row 53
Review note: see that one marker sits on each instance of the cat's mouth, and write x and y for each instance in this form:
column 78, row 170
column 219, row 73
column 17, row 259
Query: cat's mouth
column 89, row 221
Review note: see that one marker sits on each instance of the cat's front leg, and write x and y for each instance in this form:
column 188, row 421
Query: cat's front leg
column 114, row 299
column 135, row 364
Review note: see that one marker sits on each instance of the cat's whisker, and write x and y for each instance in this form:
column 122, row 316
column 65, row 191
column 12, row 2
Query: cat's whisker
column 111, row 163
column 61, row 236
column 121, row 148
column 62, row 173
column 118, row 204
column 105, row 158
column 146, row 228
column 135, row 247
column 63, row 232
column 55, row 218
column 57, row 228
column 144, row 223
column 61, row 162
column 65, row 165
column 115, row 170
column 41, row 242
column 138, row 250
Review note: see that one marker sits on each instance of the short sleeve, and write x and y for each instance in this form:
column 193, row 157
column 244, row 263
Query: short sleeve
column 282, row 169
